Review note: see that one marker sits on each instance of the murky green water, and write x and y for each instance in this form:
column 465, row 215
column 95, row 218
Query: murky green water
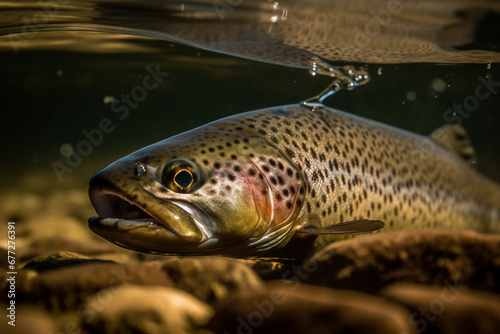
column 60, row 93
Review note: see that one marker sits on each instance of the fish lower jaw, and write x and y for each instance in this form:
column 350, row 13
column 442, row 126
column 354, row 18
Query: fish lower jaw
column 112, row 223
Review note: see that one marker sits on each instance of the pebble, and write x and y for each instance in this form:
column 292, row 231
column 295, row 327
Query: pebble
column 68, row 288
column 212, row 279
column 447, row 309
column 59, row 260
column 46, row 246
column 300, row 308
column 28, row 320
column 423, row 256
column 141, row 309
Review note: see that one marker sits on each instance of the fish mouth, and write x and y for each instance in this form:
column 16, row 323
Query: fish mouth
column 172, row 228
column 112, row 206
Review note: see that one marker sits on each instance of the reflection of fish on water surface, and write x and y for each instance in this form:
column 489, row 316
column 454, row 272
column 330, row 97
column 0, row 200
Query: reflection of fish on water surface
column 254, row 183
column 293, row 33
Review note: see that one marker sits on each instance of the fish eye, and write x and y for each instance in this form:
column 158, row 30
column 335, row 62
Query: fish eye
column 180, row 175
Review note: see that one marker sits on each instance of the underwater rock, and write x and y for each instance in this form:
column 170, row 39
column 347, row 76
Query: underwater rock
column 212, row 279
column 47, row 224
column 424, row 256
column 29, row 320
column 46, row 246
column 139, row 309
column 67, row 288
column 300, row 308
column 23, row 281
column 448, row 309
column 59, row 260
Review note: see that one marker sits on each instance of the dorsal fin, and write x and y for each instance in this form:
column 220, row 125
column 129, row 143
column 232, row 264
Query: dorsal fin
column 454, row 138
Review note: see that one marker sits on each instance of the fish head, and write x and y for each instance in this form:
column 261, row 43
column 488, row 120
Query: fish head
column 212, row 190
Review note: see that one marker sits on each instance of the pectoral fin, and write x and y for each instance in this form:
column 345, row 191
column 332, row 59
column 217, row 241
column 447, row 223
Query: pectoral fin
column 359, row 226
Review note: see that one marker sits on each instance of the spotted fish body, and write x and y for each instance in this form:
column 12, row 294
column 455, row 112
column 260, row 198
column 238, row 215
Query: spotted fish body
column 251, row 184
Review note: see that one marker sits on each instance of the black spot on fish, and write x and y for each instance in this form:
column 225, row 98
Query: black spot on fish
column 313, row 153
column 314, row 176
column 308, row 163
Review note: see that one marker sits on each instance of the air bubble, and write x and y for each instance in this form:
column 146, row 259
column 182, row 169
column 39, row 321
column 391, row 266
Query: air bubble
column 108, row 99
column 438, row 85
column 411, row 95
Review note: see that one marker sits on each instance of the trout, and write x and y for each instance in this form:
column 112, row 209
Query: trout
column 269, row 182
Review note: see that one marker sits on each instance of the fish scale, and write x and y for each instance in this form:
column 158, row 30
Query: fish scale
column 265, row 178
